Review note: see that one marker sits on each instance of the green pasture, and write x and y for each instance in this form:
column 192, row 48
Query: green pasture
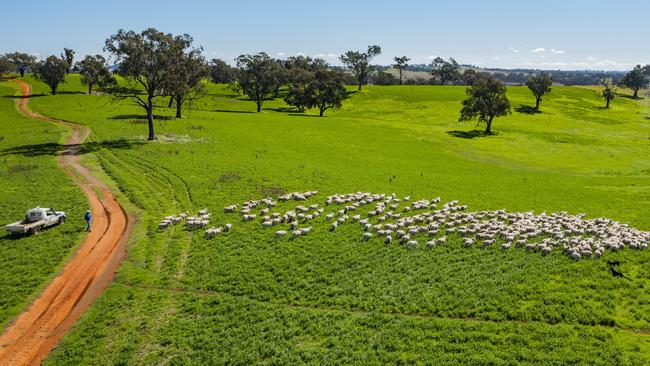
column 247, row 297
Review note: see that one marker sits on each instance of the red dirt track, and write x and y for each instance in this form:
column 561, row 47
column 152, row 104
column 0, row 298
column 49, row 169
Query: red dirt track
column 33, row 334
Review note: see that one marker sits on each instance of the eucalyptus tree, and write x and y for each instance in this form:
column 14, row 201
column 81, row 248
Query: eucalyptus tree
column 636, row 80
column 539, row 85
column 186, row 80
column 359, row 62
column 21, row 61
column 145, row 61
column 400, row 64
column 486, row 99
column 68, row 57
column 51, row 72
column 94, row 71
column 609, row 90
column 445, row 70
column 257, row 77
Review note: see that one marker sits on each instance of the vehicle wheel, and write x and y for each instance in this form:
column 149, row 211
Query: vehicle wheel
column 36, row 230
column 62, row 221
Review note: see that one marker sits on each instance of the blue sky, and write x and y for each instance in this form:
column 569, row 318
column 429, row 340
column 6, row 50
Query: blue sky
column 547, row 34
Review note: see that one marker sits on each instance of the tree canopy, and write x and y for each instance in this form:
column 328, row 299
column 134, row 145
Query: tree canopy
column 185, row 81
column 145, row 60
column 486, row 99
column 51, row 72
column 609, row 90
column 445, row 70
column 257, row 77
column 21, row 61
column 94, row 71
column 635, row 80
column 539, row 85
column 68, row 57
column 221, row 72
column 359, row 62
column 400, row 64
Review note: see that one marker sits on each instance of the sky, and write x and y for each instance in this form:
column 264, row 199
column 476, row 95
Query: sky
column 542, row 34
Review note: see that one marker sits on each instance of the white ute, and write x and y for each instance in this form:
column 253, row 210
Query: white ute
column 35, row 220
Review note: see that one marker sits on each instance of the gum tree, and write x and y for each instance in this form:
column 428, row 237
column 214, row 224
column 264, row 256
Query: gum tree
column 21, row 61
column 400, row 64
column 445, row 70
column 145, row 61
column 635, row 80
column 486, row 99
column 51, row 72
column 359, row 62
column 94, row 71
column 257, row 77
column 539, row 85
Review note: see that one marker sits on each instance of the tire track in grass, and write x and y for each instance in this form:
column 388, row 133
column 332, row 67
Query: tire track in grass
column 31, row 336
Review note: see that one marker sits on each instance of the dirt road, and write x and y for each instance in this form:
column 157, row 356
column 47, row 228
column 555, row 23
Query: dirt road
column 33, row 334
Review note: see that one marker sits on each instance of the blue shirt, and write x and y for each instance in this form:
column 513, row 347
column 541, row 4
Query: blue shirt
column 88, row 216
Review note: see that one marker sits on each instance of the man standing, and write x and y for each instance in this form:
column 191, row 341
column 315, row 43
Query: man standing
column 89, row 218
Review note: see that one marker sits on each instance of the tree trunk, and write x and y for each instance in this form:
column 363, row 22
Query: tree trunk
column 400, row 76
column 90, row 88
column 53, row 89
column 22, row 71
column 488, row 128
column 360, row 82
column 322, row 110
column 538, row 99
column 179, row 103
column 636, row 93
column 607, row 103
column 259, row 106
column 171, row 101
column 152, row 135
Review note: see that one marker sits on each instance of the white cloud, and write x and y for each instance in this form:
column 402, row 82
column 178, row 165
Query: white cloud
column 514, row 49
column 431, row 57
column 300, row 54
column 553, row 50
column 591, row 58
column 326, row 55
column 496, row 58
column 281, row 54
column 538, row 50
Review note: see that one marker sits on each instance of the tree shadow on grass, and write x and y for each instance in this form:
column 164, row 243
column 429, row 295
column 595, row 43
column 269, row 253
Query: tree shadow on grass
column 283, row 109
column 469, row 134
column 231, row 111
column 304, row 115
column 54, row 149
column 25, row 97
column 526, row 109
column 141, row 116
column 628, row 96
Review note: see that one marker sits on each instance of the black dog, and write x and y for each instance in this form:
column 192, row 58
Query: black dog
column 616, row 273
column 613, row 263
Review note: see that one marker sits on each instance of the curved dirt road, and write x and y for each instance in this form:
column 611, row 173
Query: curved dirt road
column 34, row 333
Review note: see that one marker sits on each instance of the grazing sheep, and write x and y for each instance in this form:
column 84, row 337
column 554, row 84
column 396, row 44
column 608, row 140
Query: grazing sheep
column 431, row 243
column 280, row 233
column 388, row 239
column 411, row 244
column 228, row 227
column 296, row 233
column 367, row 236
column 334, row 226
column 164, row 224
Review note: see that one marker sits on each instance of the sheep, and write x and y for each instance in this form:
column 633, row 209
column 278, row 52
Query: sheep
column 411, row 244
column 203, row 212
column 334, row 226
column 296, row 233
column 280, row 233
column 388, row 239
column 367, row 236
column 228, row 227
column 431, row 243
column 164, row 224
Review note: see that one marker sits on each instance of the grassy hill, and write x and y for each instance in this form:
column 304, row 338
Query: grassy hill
column 247, row 297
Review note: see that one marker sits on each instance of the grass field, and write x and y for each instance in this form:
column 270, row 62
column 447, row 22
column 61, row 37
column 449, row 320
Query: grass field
column 246, row 297
column 29, row 177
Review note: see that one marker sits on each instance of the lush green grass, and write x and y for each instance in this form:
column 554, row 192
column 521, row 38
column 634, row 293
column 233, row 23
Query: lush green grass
column 328, row 298
column 29, row 177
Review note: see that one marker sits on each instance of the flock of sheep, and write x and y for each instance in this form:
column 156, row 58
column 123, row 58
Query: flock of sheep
column 394, row 219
